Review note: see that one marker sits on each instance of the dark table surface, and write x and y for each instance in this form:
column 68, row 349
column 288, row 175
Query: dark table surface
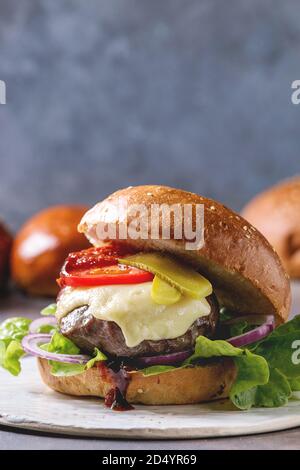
column 10, row 438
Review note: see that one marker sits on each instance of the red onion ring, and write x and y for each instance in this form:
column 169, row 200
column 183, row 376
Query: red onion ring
column 31, row 342
column 253, row 335
column 36, row 324
column 165, row 359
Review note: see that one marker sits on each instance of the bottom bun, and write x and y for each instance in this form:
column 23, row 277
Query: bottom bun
column 178, row 387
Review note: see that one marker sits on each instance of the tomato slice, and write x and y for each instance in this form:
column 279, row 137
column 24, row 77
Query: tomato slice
column 99, row 267
column 118, row 276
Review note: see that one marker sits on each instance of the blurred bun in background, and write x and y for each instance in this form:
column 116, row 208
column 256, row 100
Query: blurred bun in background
column 41, row 246
column 276, row 213
column 5, row 249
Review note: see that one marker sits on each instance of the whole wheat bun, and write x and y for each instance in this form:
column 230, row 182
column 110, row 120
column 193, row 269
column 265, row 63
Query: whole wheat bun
column 276, row 213
column 178, row 387
column 245, row 271
column 42, row 245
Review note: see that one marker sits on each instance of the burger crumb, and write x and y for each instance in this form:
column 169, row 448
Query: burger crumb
column 140, row 390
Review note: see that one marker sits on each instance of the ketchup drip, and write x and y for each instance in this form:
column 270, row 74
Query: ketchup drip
column 117, row 375
column 115, row 400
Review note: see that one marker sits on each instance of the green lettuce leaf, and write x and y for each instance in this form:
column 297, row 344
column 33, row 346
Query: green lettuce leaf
column 267, row 377
column 46, row 329
column 292, row 326
column 289, row 327
column 10, row 356
column 207, row 348
column 204, row 349
column 282, row 351
column 99, row 356
column 59, row 344
column 252, row 370
column 49, row 310
column 65, row 369
column 12, row 331
column 275, row 393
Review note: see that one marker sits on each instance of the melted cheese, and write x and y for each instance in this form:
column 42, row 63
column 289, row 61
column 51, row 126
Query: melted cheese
column 131, row 307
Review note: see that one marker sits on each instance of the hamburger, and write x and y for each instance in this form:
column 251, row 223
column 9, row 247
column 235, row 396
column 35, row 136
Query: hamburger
column 166, row 318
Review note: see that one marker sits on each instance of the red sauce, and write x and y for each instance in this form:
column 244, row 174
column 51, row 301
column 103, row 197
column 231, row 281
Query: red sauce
column 116, row 374
column 115, row 400
column 95, row 257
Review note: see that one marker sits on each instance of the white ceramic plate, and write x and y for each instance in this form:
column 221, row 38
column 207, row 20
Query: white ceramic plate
column 25, row 402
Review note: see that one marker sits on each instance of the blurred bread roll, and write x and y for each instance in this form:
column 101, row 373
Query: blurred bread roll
column 276, row 214
column 5, row 249
column 42, row 245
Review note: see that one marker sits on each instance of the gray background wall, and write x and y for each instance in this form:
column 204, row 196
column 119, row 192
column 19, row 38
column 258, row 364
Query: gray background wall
column 106, row 93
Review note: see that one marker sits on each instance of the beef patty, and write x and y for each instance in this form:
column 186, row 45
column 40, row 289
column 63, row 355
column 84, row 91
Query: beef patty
column 88, row 332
